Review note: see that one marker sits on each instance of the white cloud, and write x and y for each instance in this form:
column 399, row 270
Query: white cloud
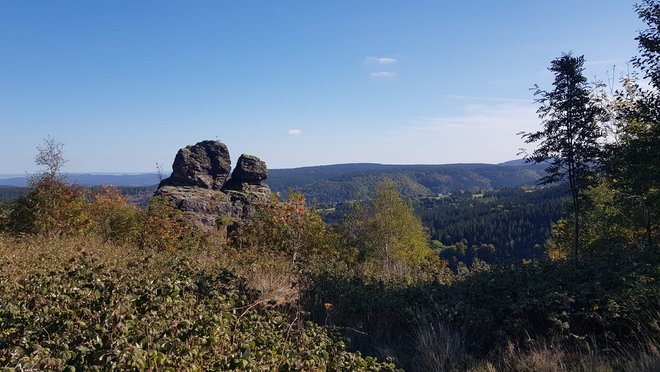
column 293, row 132
column 381, row 60
column 382, row 74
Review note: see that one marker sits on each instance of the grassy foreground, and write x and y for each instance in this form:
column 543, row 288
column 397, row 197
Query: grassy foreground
column 78, row 303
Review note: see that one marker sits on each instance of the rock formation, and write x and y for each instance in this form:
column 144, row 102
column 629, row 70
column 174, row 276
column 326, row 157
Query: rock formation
column 250, row 170
column 206, row 165
column 201, row 186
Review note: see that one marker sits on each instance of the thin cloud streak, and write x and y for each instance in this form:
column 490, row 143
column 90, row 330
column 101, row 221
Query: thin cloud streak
column 294, row 132
column 512, row 116
column 383, row 74
column 492, row 99
column 483, row 133
column 381, row 60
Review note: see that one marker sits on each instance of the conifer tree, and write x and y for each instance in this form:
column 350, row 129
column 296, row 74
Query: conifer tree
column 633, row 160
column 569, row 140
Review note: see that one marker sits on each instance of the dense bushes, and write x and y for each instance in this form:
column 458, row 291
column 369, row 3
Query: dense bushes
column 130, row 310
column 114, row 219
column 603, row 306
column 289, row 228
column 51, row 207
column 54, row 207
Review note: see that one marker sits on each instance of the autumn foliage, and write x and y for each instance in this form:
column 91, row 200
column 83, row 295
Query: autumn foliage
column 285, row 226
column 52, row 207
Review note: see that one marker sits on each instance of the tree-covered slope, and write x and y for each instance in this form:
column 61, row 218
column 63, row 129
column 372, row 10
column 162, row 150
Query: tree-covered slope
column 336, row 183
column 500, row 226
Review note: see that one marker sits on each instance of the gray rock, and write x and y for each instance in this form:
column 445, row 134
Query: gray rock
column 200, row 188
column 206, row 165
column 250, row 169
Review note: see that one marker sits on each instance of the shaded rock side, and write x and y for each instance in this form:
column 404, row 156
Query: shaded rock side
column 206, row 165
column 250, row 169
column 205, row 207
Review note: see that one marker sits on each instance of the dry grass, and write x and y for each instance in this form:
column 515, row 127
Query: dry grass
column 22, row 256
column 439, row 348
column 548, row 357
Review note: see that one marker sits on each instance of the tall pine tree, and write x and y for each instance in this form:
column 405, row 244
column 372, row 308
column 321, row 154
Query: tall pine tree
column 569, row 140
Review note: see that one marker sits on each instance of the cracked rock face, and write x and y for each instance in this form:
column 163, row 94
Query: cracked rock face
column 201, row 187
column 250, row 169
column 205, row 164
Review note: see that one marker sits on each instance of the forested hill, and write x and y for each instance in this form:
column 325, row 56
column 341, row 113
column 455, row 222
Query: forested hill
column 501, row 226
column 335, row 183
column 329, row 184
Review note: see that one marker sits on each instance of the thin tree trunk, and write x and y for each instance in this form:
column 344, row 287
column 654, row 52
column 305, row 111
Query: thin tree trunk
column 576, row 231
column 647, row 217
column 572, row 179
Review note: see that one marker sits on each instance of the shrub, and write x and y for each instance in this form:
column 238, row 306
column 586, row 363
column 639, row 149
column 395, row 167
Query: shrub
column 606, row 227
column 390, row 238
column 609, row 305
column 114, row 219
column 289, row 228
column 164, row 227
column 4, row 217
column 51, row 207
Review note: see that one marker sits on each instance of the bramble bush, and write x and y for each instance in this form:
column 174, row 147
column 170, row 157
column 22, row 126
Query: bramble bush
column 604, row 306
column 90, row 312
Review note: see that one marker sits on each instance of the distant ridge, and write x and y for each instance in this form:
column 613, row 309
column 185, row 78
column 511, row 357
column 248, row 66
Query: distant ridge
column 89, row 179
column 514, row 163
column 328, row 184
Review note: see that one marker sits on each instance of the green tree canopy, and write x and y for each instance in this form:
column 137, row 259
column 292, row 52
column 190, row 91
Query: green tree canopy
column 391, row 238
column 569, row 140
column 632, row 160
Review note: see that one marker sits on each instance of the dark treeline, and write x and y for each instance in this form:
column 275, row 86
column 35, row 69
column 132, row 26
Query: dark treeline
column 137, row 195
column 9, row 193
column 500, row 226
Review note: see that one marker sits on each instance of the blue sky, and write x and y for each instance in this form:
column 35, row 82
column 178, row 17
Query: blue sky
column 125, row 84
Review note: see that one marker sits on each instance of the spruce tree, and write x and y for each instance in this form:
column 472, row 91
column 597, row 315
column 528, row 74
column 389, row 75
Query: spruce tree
column 569, row 140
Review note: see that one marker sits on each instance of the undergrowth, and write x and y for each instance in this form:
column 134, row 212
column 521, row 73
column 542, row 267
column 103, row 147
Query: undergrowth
column 606, row 311
column 79, row 303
